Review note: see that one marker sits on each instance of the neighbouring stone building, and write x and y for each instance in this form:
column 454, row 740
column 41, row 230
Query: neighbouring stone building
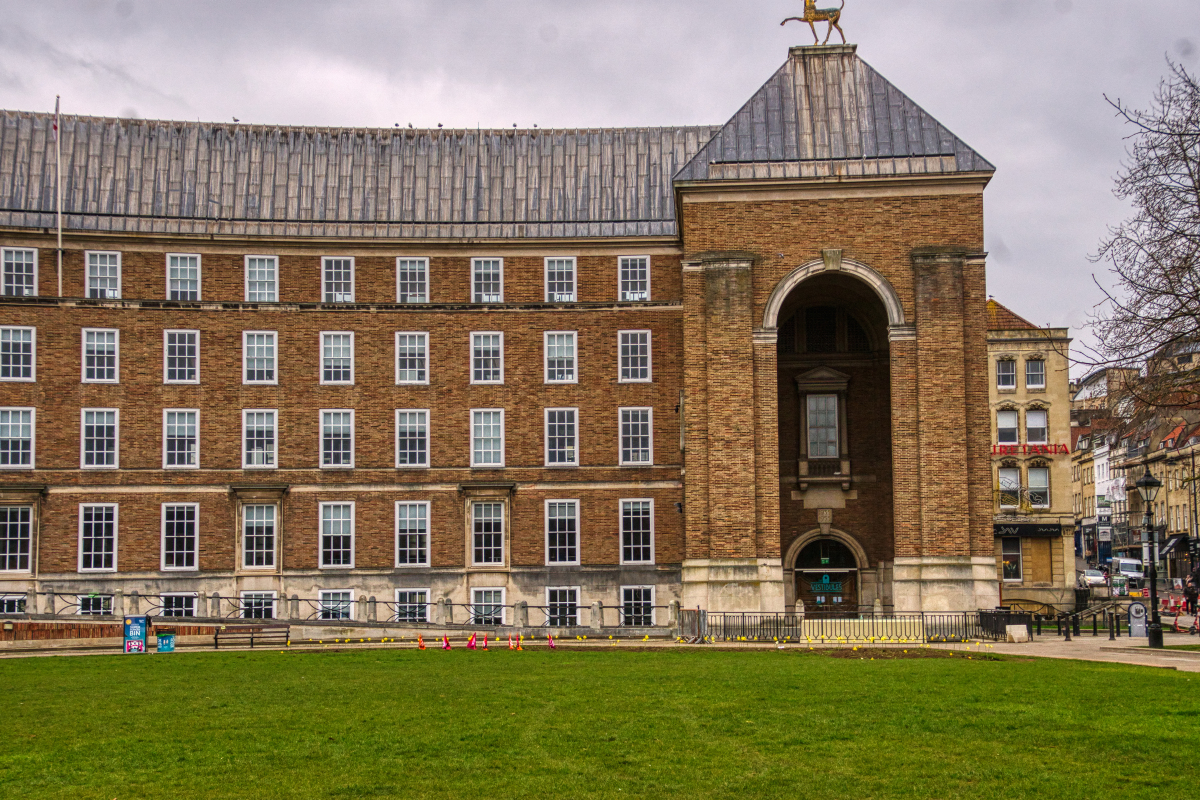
column 1034, row 515
column 744, row 367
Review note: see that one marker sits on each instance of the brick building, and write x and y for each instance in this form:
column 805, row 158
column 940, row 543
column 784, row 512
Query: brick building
column 741, row 366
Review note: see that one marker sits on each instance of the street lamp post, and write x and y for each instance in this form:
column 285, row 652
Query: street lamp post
column 1148, row 487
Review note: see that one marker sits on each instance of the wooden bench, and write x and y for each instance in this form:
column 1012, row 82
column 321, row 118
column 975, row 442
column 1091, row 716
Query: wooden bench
column 253, row 635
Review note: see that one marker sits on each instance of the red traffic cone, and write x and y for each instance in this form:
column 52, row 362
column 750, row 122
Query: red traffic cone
column 511, row 646
column 485, row 641
column 471, row 642
column 445, row 642
column 420, row 642
column 550, row 639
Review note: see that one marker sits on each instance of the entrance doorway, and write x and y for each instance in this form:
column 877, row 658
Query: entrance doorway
column 827, row 578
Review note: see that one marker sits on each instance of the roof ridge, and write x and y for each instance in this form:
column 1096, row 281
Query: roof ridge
column 1001, row 318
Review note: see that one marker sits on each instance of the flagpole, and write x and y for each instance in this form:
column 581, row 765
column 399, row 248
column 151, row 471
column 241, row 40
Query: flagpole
column 58, row 192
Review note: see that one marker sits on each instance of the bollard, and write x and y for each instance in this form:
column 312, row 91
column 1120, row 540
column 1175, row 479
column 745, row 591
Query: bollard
column 1095, row 626
column 1112, row 618
column 1067, row 628
column 1076, row 622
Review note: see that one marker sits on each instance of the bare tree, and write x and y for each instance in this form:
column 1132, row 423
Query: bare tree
column 1151, row 320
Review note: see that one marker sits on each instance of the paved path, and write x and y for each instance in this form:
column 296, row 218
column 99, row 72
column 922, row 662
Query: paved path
column 1119, row 651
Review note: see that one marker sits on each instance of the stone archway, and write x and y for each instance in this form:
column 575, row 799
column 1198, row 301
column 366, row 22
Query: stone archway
column 834, row 263
column 798, row 577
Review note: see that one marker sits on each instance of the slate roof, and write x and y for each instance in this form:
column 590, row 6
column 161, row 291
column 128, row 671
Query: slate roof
column 825, row 112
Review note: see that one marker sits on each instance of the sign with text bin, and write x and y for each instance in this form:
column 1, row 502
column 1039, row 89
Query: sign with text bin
column 135, row 634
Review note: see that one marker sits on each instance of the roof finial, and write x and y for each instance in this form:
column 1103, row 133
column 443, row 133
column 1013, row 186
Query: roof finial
column 813, row 14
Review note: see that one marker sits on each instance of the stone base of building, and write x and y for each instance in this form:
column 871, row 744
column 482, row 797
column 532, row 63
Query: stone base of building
column 944, row 583
column 733, row 584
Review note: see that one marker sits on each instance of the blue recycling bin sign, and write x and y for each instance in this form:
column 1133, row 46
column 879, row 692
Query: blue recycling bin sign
column 166, row 641
column 136, row 629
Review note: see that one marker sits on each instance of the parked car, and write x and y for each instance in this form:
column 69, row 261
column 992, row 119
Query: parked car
column 1092, row 577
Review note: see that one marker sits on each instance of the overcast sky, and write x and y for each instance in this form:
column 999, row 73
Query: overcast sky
column 1020, row 81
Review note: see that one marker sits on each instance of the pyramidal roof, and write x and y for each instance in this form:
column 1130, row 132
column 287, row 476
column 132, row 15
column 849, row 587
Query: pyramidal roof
column 827, row 113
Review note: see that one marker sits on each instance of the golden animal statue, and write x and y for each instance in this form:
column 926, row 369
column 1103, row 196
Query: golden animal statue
column 813, row 14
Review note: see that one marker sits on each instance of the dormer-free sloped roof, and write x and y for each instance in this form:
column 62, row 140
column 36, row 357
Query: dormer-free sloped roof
column 825, row 113
column 190, row 177
column 1000, row 318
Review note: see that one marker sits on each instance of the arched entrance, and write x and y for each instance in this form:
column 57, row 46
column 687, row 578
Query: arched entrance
column 826, row 577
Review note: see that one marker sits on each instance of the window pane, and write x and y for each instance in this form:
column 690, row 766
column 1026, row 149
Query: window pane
column 637, row 605
column 339, row 280
column 1010, row 486
column 104, row 275
column 16, row 437
column 560, row 280
column 1006, row 427
column 412, row 445
column 486, row 358
column 486, row 280
column 337, row 438
column 412, row 533
column 635, row 436
column 260, row 280
column 488, row 523
column 636, row 536
column 487, row 606
column 487, row 438
column 337, row 358
column 411, row 280
column 560, row 437
column 260, row 438
column 635, row 355
column 823, row 426
column 183, row 277
column 1039, row 487
column 18, row 273
column 1006, row 373
column 412, row 606
column 560, row 357
column 99, row 537
column 16, row 533
column 337, row 535
column 16, row 354
column 561, row 532
column 335, row 605
column 260, row 357
column 183, row 356
column 1035, row 373
column 258, row 605
column 99, row 438
column 635, row 279
column 178, row 605
column 181, row 438
column 562, row 607
column 1036, row 427
column 100, row 355
column 1011, row 556
column 258, row 536
column 411, row 358
column 179, row 537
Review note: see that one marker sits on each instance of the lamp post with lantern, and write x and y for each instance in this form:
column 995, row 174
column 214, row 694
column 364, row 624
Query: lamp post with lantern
column 1148, row 487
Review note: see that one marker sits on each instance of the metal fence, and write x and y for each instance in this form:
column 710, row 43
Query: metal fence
column 843, row 629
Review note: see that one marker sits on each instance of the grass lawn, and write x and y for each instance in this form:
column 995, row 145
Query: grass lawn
column 680, row 723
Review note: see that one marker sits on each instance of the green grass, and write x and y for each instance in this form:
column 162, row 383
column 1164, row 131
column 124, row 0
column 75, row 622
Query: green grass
column 678, row 724
column 1183, row 647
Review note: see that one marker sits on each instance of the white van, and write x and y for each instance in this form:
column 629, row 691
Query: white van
column 1129, row 567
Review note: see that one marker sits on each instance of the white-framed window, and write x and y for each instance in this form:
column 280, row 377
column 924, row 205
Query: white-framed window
column 1010, row 486
column 178, row 605
column 637, row 436
column 634, row 350
column 258, row 536
column 562, row 606
column 95, row 604
column 562, row 437
column 337, row 279
column 99, row 438
column 259, row 357
column 180, row 536
column 181, row 356
column 412, row 357
column 412, row 605
column 633, row 278
column 20, row 268
column 487, row 606
column 562, row 531
column 16, row 538
column 18, row 354
column 487, row 437
column 103, row 275
column 337, row 357
column 1006, row 373
column 487, row 280
column 101, row 355
column 412, row 534
column 262, row 279
column 1039, row 487
column 183, row 276
column 1035, row 373
column 337, row 535
column 1010, row 556
column 412, row 280
column 12, row 604
column 181, row 438
column 487, row 357
column 1006, row 426
column 412, row 437
column 1037, row 426
column 487, row 533
column 560, row 280
column 97, row 537
column 822, row 426
column 335, row 603
column 637, row 606
column 258, row 605
column 259, row 442
column 337, row 438
column 17, row 430
column 637, row 531
column 559, row 347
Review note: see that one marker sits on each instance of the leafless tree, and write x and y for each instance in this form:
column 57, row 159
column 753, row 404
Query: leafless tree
column 1151, row 319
